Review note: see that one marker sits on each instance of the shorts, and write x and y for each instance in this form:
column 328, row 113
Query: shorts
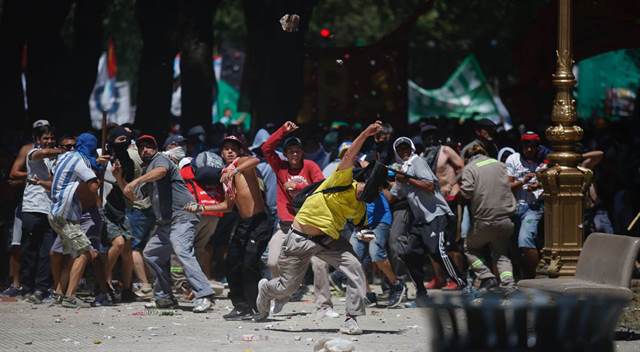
column 376, row 248
column 114, row 230
column 76, row 238
column 140, row 223
column 527, row 220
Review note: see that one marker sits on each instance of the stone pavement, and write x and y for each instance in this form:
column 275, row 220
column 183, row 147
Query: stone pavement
column 129, row 327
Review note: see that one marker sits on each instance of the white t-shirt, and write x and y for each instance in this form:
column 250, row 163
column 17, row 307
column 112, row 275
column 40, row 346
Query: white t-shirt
column 517, row 168
column 36, row 198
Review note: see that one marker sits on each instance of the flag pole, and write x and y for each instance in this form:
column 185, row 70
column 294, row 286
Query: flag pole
column 103, row 144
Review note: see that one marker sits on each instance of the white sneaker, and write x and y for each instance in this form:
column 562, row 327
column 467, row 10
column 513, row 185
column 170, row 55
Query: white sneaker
column 350, row 327
column 327, row 312
column 201, row 305
column 217, row 286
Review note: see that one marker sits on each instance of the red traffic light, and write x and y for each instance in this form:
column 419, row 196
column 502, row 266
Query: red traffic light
column 325, row 33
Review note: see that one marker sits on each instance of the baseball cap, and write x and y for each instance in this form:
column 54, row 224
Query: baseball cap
column 232, row 138
column 147, row 138
column 291, row 141
column 530, row 136
column 174, row 139
column 41, row 123
column 428, row 128
column 486, row 123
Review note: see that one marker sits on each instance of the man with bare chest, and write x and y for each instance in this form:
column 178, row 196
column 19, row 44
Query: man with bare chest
column 253, row 232
column 446, row 164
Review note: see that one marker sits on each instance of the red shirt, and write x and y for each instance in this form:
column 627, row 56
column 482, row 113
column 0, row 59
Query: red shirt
column 309, row 173
column 202, row 196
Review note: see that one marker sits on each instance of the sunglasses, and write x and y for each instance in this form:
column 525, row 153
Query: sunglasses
column 68, row 146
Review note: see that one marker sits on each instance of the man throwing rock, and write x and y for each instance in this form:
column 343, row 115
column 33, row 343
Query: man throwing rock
column 315, row 231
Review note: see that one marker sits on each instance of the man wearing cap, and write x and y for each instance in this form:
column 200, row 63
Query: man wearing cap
column 484, row 182
column 416, row 182
column 175, row 230
column 254, row 229
column 293, row 175
column 485, row 131
column 446, row 164
column 315, row 231
column 521, row 169
column 37, row 236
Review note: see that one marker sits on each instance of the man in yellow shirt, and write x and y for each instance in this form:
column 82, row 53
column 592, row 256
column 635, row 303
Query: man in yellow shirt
column 316, row 232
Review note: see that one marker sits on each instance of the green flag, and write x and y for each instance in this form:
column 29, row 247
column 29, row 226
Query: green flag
column 607, row 84
column 465, row 94
column 228, row 99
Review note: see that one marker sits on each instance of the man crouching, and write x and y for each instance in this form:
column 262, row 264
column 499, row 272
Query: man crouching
column 316, row 232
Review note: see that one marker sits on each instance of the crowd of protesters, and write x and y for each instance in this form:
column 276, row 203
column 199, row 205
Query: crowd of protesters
column 449, row 206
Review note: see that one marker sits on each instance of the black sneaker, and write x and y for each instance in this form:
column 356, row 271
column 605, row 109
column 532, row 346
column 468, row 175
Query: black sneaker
column 36, row 297
column 162, row 303
column 239, row 314
column 371, row 300
column 74, row 303
column 396, row 294
column 299, row 294
column 127, row 296
column 489, row 284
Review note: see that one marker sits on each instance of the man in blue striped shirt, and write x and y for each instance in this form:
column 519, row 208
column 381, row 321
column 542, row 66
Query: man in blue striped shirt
column 74, row 181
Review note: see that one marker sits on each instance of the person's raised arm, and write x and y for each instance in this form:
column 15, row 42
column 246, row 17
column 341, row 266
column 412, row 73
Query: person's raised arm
column 42, row 153
column 270, row 145
column 351, row 154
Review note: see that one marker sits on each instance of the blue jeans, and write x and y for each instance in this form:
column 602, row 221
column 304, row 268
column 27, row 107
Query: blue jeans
column 376, row 247
column 527, row 220
column 176, row 237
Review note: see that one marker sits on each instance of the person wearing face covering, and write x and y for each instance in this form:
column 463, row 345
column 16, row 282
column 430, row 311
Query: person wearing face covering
column 315, row 231
column 128, row 223
column 426, row 236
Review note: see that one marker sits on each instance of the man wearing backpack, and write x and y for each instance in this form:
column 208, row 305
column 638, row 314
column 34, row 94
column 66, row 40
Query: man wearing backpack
column 315, row 231
column 293, row 175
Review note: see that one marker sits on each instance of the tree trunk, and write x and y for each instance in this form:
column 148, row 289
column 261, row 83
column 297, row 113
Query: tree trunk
column 157, row 20
column 272, row 85
column 12, row 40
column 87, row 48
column 196, row 67
column 46, row 84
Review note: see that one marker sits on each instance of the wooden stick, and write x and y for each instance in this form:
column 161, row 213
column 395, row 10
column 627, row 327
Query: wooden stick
column 633, row 222
column 104, row 148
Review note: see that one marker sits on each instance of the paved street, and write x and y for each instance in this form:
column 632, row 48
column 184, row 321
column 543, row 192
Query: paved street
column 129, row 327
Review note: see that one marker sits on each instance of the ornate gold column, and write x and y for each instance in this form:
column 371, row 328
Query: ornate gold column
column 563, row 181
